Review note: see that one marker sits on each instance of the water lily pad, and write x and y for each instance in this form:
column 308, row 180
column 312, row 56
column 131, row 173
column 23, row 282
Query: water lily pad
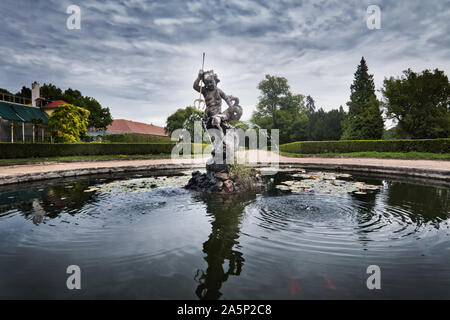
column 142, row 184
column 326, row 182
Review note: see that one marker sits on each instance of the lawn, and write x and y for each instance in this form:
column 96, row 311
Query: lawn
column 382, row 155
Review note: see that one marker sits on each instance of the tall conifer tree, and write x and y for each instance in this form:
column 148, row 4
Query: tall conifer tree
column 364, row 120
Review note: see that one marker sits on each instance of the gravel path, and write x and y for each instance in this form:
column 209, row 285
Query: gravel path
column 422, row 168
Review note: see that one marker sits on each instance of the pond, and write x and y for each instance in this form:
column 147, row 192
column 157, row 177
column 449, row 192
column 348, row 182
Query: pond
column 309, row 235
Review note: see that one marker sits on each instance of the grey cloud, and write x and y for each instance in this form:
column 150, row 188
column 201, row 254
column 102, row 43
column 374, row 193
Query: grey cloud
column 140, row 57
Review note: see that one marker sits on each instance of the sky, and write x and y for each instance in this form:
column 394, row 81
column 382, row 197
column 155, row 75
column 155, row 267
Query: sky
column 140, row 58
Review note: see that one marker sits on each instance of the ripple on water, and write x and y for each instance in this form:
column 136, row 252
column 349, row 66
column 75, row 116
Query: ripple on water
column 335, row 224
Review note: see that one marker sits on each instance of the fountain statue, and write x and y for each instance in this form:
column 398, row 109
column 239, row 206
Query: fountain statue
column 224, row 140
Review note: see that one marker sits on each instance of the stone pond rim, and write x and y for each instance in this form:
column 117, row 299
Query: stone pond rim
column 399, row 168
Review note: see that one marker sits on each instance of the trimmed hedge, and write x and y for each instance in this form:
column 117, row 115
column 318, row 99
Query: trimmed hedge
column 34, row 150
column 346, row 146
column 134, row 138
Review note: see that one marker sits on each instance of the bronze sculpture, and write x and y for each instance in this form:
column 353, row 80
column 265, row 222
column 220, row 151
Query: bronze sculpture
column 213, row 117
column 224, row 139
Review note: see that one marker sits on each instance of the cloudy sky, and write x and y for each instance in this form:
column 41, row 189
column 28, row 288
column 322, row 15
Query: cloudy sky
column 140, row 57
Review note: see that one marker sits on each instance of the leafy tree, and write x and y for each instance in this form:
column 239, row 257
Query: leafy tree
column 310, row 104
column 24, row 92
column 316, row 125
column 389, row 134
column 51, row 92
column 420, row 103
column 184, row 119
column 279, row 109
column 68, row 123
column 4, row 91
column 333, row 123
column 325, row 125
column 364, row 120
column 99, row 117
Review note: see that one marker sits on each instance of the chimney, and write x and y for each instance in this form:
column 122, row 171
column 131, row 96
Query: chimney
column 35, row 93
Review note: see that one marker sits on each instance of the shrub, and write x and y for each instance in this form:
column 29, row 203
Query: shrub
column 68, row 123
column 33, row 150
column 346, row 146
column 134, row 138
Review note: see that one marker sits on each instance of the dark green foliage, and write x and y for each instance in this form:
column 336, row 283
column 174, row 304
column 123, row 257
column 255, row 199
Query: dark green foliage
column 310, row 105
column 364, row 120
column 20, row 150
column 313, row 147
column 184, row 119
column 24, row 92
column 279, row 109
column 99, row 117
column 22, row 97
column 325, row 125
column 420, row 103
column 390, row 133
column 134, row 138
column 4, row 91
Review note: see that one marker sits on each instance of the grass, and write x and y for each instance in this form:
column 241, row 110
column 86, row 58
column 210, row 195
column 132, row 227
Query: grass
column 374, row 154
column 85, row 158
column 381, row 155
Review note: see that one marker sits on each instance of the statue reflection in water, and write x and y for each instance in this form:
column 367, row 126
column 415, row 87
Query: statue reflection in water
column 222, row 245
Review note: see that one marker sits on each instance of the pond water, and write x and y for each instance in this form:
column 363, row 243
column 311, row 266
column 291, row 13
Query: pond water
column 147, row 237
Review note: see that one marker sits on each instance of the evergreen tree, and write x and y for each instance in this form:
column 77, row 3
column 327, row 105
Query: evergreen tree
column 364, row 120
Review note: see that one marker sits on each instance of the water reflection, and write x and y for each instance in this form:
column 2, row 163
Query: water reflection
column 257, row 240
column 422, row 203
column 222, row 245
column 48, row 202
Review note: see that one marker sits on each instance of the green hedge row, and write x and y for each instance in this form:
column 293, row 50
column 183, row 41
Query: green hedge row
column 345, row 146
column 134, row 138
column 34, row 150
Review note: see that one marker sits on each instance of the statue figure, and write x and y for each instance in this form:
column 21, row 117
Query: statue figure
column 213, row 117
column 225, row 141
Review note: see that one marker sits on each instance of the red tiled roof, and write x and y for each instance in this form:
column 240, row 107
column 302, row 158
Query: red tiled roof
column 54, row 104
column 127, row 126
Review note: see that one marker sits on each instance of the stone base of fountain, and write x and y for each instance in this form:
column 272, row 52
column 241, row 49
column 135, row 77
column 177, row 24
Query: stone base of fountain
column 225, row 182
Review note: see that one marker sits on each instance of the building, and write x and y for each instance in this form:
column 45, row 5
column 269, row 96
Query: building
column 22, row 122
column 128, row 126
column 48, row 108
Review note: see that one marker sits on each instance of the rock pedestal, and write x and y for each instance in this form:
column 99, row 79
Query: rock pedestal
column 224, row 182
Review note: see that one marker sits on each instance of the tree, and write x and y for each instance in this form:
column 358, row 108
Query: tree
column 24, row 92
column 184, row 119
column 419, row 103
column 364, row 119
column 51, row 92
column 4, row 91
column 325, row 125
column 333, row 123
column 99, row 117
column 279, row 109
column 310, row 104
column 68, row 123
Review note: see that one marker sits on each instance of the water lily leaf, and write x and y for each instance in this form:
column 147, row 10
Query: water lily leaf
column 326, row 182
column 142, row 184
